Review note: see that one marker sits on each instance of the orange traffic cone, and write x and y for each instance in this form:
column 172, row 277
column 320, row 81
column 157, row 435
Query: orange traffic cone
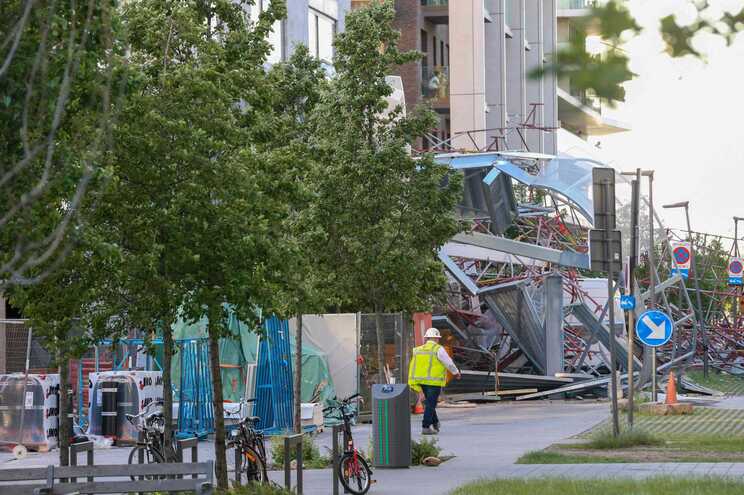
column 671, row 390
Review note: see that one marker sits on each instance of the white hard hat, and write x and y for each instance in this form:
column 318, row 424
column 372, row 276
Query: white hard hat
column 432, row 333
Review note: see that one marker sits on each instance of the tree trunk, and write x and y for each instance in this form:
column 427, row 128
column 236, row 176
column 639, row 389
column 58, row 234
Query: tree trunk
column 64, row 410
column 167, row 381
column 220, row 461
column 380, row 345
column 297, row 392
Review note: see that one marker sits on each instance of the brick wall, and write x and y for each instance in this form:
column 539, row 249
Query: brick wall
column 408, row 21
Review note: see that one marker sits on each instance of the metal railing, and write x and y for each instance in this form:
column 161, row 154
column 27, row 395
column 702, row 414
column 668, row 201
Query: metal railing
column 588, row 100
column 575, row 4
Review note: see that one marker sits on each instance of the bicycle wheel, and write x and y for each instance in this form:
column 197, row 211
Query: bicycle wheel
column 253, row 466
column 355, row 474
column 148, row 458
column 134, row 457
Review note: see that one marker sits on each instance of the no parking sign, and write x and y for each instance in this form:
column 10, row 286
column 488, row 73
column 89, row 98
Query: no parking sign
column 735, row 271
column 682, row 258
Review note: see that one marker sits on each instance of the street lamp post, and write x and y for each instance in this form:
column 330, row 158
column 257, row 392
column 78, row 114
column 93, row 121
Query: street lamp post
column 701, row 322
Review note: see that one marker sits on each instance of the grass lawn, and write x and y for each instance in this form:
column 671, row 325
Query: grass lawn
column 708, row 435
column 652, row 486
column 705, row 421
column 723, row 382
column 553, row 457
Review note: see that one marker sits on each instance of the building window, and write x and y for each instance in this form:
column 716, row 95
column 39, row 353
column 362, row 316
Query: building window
column 434, row 50
column 321, row 32
column 425, row 58
column 276, row 36
column 441, row 53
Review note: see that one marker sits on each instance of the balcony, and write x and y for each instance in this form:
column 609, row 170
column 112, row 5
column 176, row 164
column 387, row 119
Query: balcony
column 435, row 11
column 575, row 4
column 574, row 8
column 435, row 86
column 581, row 115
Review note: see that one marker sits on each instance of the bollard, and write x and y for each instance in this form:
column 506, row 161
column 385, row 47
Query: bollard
column 238, row 461
column 188, row 443
column 75, row 449
column 141, row 451
column 296, row 442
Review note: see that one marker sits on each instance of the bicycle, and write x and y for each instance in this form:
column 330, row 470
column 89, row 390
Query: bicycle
column 252, row 449
column 352, row 466
column 152, row 426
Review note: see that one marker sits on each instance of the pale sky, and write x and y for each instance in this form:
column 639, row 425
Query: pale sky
column 687, row 122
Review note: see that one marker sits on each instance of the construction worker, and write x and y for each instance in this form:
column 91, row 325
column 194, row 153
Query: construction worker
column 427, row 373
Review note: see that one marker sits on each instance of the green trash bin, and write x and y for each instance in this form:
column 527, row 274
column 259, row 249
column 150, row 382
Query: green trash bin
column 391, row 426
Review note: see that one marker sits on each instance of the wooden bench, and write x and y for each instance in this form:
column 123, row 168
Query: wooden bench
column 175, row 477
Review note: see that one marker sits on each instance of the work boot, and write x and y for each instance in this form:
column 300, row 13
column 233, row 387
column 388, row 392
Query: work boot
column 428, row 431
column 436, row 427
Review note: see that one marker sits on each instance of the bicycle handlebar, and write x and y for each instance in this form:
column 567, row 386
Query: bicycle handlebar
column 244, row 402
column 342, row 403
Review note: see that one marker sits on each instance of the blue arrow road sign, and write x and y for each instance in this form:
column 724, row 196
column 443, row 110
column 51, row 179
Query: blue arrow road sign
column 654, row 328
column 627, row 302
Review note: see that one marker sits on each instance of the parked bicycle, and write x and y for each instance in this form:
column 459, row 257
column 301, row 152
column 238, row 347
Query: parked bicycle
column 250, row 441
column 153, row 445
column 353, row 469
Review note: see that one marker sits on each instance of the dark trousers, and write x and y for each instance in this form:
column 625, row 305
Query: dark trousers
column 431, row 396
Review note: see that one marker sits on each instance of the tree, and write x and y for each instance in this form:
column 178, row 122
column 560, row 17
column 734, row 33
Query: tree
column 382, row 214
column 285, row 134
column 196, row 207
column 57, row 64
column 64, row 314
column 58, row 69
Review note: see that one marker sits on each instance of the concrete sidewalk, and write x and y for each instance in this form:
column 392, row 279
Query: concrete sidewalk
column 486, row 441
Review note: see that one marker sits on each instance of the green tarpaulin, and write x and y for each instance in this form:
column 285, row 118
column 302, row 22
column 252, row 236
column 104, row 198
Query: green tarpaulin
column 237, row 352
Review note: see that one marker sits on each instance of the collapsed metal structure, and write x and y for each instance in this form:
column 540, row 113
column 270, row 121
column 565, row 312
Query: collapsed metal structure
column 522, row 298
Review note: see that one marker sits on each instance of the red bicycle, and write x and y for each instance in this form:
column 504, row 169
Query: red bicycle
column 353, row 469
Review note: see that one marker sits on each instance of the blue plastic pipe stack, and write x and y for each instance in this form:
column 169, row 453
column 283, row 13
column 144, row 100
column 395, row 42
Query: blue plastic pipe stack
column 274, row 378
column 195, row 403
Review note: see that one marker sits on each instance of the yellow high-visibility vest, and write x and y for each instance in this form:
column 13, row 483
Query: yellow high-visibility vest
column 426, row 368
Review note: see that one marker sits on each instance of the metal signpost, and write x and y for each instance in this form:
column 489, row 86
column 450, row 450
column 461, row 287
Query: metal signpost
column 654, row 328
column 683, row 251
column 635, row 213
column 737, row 288
column 605, row 246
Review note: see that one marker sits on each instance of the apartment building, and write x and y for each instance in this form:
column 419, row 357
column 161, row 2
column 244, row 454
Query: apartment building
column 479, row 57
column 313, row 23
